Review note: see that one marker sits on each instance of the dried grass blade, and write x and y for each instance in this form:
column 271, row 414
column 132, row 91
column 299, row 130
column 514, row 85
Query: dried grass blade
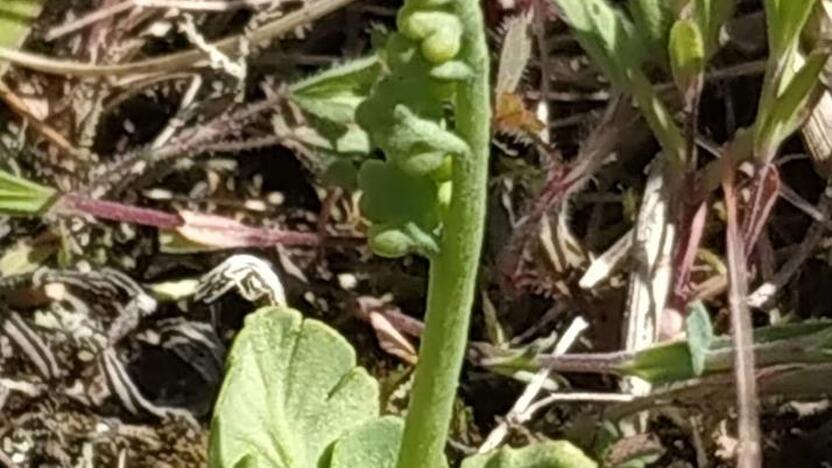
column 650, row 284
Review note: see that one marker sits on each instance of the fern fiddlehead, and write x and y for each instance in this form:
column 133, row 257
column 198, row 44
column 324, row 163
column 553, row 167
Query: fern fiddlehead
column 430, row 115
column 405, row 117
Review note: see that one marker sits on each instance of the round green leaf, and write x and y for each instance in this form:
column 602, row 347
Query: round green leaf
column 341, row 173
column 393, row 196
column 292, row 389
column 374, row 444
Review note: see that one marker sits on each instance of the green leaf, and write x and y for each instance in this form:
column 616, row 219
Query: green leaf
column 514, row 53
column 606, row 35
column 330, row 100
column 687, row 55
column 292, row 388
column 792, row 107
column 16, row 17
column 20, row 196
column 374, row 444
column 786, row 19
column 393, row 241
column 454, row 70
column 341, row 172
column 393, row 196
column 710, row 15
column 419, row 145
column 669, row 362
column 549, row 454
column 653, row 20
column 333, row 138
column 700, row 335
column 415, row 132
column 335, row 93
column 438, row 32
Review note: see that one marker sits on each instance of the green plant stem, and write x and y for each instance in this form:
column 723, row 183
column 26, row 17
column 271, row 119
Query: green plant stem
column 453, row 272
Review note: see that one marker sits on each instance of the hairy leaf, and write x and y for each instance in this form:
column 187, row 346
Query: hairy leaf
column 292, row 389
column 333, row 139
column 514, row 53
column 374, row 444
column 330, row 100
column 334, row 94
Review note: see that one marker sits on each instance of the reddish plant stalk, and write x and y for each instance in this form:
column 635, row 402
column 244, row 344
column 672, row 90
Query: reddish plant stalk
column 74, row 203
column 747, row 403
column 233, row 234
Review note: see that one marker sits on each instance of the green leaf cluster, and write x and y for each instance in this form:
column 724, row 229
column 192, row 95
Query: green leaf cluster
column 618, row 48
column 683, row 35
column 293, row 397
column 792, row 84
column 607, row 36
column 398, row 101
column 407, row 118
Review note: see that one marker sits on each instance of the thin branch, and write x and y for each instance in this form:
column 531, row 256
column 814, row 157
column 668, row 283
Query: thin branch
column 524, row 409
column 176, row 61
column 591, row 397
column 805, row 249
column 87, row 20
column 19, row 107
column 189, row 5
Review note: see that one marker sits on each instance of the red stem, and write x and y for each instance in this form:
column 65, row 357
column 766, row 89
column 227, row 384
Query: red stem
column 74, row 203
column 246, row 236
